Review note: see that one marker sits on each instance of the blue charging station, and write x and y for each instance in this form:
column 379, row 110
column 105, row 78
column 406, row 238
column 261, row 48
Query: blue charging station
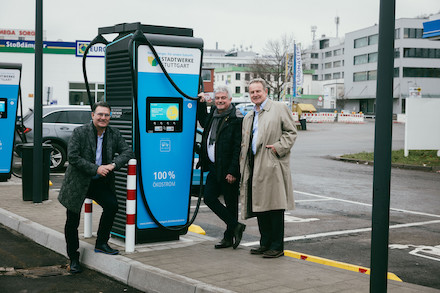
column 10, row 75
column 152, row 81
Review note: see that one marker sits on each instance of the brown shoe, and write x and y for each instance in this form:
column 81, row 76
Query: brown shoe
column 260, row 250
column 273, row 253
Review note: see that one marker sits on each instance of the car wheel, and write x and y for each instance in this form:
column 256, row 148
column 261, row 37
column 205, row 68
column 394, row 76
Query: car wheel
column 58, row 157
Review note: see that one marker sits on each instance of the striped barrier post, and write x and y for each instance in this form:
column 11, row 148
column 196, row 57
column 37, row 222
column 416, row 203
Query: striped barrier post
column 88, row 207
column 130, row 207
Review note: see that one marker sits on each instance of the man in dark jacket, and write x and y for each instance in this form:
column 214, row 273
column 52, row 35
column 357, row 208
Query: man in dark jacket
column 220, row 154
column 92, row 159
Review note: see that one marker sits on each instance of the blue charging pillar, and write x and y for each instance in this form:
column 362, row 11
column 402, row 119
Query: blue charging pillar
column 158, row 121
column 10, row 75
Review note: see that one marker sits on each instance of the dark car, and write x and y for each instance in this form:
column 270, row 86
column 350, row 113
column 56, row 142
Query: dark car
column 58, row 125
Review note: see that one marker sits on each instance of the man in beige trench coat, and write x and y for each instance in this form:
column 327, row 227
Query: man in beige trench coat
column 266, row 189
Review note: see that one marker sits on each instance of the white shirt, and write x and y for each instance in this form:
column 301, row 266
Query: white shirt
column 211, row 149
column 255, row 127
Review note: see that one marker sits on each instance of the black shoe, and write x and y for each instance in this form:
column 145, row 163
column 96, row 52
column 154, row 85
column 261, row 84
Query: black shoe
column 273, row 253
column 238, row 233
column 223, row 244
column 104, row 248
column 75, row 267
column 260, row 250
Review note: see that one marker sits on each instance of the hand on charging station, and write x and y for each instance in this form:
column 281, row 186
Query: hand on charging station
column 201, row 97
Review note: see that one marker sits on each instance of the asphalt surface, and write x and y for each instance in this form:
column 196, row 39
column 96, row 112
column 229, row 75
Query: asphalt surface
column 27, row 267
column 333, row 211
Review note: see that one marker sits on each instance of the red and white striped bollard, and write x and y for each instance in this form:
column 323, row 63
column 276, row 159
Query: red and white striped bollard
column 130, row 207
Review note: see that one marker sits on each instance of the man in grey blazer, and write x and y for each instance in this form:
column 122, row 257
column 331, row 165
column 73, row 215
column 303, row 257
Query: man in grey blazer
column 95, row 150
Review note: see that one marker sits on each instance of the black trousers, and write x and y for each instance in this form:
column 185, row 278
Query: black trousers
column 101, row 193
column 271, row 226
column 228, row 213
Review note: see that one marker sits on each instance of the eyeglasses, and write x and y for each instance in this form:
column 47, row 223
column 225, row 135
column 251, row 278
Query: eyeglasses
column 106, row 115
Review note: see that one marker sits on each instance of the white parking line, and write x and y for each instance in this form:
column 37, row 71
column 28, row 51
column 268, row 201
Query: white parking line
column 312, row 200
column 343, row 232
column 367, row 204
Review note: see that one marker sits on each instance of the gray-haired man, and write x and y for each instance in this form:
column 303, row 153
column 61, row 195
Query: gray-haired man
column 220, row 156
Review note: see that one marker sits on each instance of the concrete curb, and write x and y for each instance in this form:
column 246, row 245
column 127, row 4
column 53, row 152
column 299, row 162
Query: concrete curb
column 123, row 269
column 399, row 166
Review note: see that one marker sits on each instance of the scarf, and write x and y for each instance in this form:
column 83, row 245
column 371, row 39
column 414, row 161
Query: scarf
column 215, row 122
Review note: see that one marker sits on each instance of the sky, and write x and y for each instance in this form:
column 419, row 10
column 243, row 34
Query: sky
column 242, row 24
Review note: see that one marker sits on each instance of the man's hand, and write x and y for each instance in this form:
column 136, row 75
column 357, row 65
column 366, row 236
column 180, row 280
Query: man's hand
column 202, row 97
column 270, row 146
column 231, row 179
column 103, row 170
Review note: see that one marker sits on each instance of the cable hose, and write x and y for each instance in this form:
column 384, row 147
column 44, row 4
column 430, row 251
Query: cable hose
column 140, row 37
column 23, row 135
column 99, row 39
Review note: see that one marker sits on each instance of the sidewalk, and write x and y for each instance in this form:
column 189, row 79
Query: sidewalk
column 188, row 265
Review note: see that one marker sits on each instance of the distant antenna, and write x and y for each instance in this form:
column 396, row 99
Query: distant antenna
column 337, row 25
column 313, row 28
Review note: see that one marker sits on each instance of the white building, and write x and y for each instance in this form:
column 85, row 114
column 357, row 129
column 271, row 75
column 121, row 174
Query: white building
column 325, row 60
column 416, row 64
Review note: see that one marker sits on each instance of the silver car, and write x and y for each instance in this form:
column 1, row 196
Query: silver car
column 58, row 125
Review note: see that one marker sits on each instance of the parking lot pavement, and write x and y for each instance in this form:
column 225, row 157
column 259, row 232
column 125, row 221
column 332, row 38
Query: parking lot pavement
column 331, row 220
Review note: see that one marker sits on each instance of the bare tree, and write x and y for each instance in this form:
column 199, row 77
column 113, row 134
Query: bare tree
column 275, row 65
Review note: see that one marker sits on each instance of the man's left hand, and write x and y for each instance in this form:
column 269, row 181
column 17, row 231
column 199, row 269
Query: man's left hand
column 231, row 179
column 270, row 146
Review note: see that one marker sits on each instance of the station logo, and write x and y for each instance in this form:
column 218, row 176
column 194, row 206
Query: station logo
column 152, row 61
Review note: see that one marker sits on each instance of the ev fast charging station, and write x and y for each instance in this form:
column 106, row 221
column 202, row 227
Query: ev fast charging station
column 10, row 75
column 152, row 81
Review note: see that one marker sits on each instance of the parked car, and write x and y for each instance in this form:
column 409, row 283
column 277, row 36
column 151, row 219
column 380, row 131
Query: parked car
column 58, row 125
column 245, row 107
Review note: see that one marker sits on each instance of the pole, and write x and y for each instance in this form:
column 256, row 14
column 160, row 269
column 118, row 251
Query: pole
column 38, row 95
column 382, row 148
column 130, row 228
column 88, row 217
column 294, row 71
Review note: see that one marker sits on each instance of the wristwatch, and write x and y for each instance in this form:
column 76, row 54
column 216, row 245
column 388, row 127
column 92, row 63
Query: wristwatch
column 114, row 165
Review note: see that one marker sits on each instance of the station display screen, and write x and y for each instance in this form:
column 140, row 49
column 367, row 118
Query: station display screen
column 164, row 114
column 164, row 111
column 3, row 112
